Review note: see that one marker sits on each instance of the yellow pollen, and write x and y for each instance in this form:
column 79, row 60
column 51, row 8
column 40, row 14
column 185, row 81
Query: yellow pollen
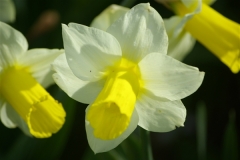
column 43, row 114
column 111, row 112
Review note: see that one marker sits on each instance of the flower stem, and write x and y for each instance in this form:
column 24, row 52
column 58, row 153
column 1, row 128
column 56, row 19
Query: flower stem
column 201, row 130
column 146, row 144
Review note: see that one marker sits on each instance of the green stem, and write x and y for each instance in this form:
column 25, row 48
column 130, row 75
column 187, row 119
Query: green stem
column 201, row 130
column 146, row 144
column 128, row 3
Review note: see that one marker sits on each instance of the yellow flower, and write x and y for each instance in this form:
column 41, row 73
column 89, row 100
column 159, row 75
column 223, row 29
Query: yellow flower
column 23, row 74
column 125, row 76
column 217, row 33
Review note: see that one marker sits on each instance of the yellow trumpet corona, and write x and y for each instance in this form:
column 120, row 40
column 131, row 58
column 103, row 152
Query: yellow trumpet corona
column 31, row 101
column 216, row 32
column 116, row 99
column 24, row 73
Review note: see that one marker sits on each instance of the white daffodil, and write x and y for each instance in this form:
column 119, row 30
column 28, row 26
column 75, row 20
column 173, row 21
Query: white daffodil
column 180, row 41
column 23, row 74
column 7, row 11
column 217, row 33
column 125, row 76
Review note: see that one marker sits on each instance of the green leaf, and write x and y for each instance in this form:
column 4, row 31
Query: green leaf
column 201, row 130
column 230, row 144
column 146, row 144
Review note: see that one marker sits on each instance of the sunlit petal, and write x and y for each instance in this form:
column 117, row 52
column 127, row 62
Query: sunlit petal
column 140, row 32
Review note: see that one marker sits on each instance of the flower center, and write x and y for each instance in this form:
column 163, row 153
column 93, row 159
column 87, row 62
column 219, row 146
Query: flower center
column 32, row 102
column 111, row 112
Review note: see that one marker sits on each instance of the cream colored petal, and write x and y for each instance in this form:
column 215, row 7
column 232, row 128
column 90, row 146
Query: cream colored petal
column 39, row 61
column 44, row 77
column 168, row 78
column 7, row 11
column 12, row 45
column 197, row 3
column 98, row 145
column 189, row 3
column 183, row 20
column 140, row 31
column 16, row 119
column 4, row 117
column 90, row 52
column 82, row 91
column 159, row 115
column 108, row 16
column 11, row 119
column 180, row 47
column 180, row 43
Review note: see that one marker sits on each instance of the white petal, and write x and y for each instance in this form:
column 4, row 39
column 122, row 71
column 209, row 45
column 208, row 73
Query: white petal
column 159, row 115
column 108, row 16
column 39, row 61
column 183, row 20
column 16, row 119
column 12, row 45
column 180, row 47
column 89, row 51
column 10, row 118
column 98, row 145
column 7, row 11
column 189, row 3
column 44, row 78
column 82, row 91
column 168, row 78
column 171, row 26
column 4, row 117
column 140, row 31
column 180, row 43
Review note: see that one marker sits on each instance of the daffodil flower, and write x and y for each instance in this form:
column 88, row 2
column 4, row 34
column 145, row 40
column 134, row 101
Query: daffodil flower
column 23, row 74
column 180, row 41
column 217, row 33
column 125, row 76
column 7, row 11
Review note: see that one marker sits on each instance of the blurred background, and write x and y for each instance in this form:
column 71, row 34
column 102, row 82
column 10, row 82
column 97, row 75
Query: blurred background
column 212, row 126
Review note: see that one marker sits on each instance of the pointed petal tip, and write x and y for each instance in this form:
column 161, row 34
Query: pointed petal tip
column 64, row 27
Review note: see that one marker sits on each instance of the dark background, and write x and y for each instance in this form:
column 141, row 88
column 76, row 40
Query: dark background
column 215, row 106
